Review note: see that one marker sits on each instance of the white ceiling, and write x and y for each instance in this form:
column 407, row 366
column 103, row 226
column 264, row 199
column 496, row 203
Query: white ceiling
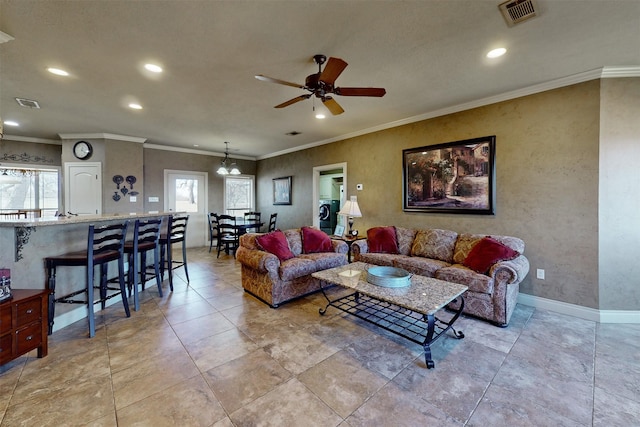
column 429, row 55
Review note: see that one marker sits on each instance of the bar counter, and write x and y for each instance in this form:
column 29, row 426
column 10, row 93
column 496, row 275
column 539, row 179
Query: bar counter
column 24, row 243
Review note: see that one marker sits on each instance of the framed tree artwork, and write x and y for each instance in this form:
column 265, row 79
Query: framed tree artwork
column 282, row 191
column 454, row 177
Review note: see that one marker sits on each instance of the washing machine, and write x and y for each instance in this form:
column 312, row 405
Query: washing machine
column 328, row 215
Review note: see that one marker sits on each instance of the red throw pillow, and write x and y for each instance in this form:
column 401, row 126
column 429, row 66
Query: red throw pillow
column 487, row 252
column 314, row 240
column 382, row 240
column 275, row 243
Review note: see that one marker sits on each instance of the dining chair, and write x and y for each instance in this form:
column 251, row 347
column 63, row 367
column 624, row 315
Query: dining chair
column 176, row 232
column 252, row 218
column 272, row 222
column 227, row 234
column 213, row 228
column 104, row 244
column 146, row 237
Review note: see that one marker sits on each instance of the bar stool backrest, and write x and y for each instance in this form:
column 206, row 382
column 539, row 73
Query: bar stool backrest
column 104, row 240
column 178, row 228
column 272, row 222
column 146, row 231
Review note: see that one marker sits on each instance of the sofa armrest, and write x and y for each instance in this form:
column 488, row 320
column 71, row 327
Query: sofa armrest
column 359, row 247
column 258, row 260
column 514, row 270
column 339, row 246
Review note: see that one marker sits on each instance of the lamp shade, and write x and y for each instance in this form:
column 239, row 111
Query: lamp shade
column 351, row 208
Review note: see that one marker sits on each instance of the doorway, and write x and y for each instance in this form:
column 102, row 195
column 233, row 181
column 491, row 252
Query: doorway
column 83, row 188
column 329, row 183
column 186, row 191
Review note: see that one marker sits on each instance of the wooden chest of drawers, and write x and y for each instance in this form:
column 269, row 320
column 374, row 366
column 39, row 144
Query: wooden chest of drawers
column 23, row 324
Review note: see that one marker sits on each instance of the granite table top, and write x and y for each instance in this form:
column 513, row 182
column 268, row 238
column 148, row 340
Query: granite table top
column 424, row 295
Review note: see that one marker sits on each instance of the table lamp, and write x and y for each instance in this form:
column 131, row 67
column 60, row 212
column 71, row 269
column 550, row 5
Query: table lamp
column 351, row 209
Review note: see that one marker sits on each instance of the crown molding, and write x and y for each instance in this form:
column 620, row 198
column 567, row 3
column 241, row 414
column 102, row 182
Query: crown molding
column 102, row 136
column 31, row 139
column 605, row 72
column 192, row 151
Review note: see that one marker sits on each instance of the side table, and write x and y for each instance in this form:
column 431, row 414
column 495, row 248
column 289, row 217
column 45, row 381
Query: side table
column 349, row 241
column 23, row 324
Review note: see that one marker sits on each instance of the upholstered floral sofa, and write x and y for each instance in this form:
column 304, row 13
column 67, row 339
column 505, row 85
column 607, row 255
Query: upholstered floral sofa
column 276, row 267
column 491, row 266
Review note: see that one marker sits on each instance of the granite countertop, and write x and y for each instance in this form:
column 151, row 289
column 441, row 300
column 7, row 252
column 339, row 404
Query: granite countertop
column 80, row 219
column 425, row 295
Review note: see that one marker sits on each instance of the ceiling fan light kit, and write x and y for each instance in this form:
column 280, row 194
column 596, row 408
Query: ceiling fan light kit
column 322, row 85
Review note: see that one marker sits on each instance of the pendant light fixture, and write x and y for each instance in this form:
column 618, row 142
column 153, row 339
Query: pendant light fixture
column 224, row 169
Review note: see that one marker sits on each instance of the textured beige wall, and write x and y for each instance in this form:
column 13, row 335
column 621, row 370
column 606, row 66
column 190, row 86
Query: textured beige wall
column 546, row 175
column 122, row 158
column 156, row 161
column 619, row 194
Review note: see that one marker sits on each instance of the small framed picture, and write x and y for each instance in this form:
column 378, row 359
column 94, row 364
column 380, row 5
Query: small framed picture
column 339, row 231
column 282, row 191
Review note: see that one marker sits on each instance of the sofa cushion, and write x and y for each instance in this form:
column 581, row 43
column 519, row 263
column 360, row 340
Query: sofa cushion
column 405, row 237
column 275, row 243
column 314, row 240
column 434, row 243
column 295, row 240
column 458, row 273
column 382, row 240
column 326, row 260
column 464, row 244
column 487, row 252
column 418, row 265
column 378, row 259
column 296, row 267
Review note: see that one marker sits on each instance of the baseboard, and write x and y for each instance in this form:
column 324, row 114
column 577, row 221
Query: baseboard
column 587, row 313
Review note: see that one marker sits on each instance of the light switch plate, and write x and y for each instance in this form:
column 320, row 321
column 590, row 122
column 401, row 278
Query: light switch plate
column 154, row 199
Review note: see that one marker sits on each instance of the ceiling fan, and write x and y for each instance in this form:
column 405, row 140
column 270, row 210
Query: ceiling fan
column 321, row 84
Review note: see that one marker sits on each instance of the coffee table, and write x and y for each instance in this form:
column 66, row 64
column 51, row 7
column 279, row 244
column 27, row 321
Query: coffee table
column 408, row 311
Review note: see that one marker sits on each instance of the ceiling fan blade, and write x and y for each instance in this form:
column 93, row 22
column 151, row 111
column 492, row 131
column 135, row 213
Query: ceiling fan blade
column 334, row 67
column 332, row 105
column 359, row 91
column 278, row 81
column 293, row 101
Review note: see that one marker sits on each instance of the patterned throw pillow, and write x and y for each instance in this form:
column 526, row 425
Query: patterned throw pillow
column 382, row 240
column 487, row 252
column 435, row 244
column 275, row 243
column 405, row 237
column 314, row 240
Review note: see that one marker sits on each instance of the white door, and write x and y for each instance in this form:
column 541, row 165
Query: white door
column 187, row 192
column 83, row 188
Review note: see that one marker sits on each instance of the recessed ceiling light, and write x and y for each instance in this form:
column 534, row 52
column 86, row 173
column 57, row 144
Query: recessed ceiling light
column 135, row 106
column 153, row 68
column 11, row 123
column 496, row 52
column 57, row 71
column 196, row 145
column 320, row 116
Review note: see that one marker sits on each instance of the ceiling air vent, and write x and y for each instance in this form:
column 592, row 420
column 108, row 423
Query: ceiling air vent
column 27, row 103
column 516, row 11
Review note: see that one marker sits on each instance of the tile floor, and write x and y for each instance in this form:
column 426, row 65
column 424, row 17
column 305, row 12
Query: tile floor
column 210, row 355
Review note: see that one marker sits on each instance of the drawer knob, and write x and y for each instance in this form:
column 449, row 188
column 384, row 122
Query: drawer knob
column 29, row 338
column 29, row 311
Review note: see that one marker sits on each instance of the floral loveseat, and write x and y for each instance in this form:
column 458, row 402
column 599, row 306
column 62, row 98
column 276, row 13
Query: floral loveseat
column 285, row 273
column 492, row 267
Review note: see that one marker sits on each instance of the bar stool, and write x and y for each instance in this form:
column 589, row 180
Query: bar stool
column 146, row 237
column 104, row 244
column 176, row 233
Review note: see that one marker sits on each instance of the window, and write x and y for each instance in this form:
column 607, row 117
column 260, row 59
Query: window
column 33, row 190
column 239, row 195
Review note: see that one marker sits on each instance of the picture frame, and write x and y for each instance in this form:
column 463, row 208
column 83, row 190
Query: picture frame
column 282, row 190
column 339, row 231
column 454, row 177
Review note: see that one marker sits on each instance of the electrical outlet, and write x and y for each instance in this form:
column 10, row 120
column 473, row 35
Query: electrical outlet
column 540, row 274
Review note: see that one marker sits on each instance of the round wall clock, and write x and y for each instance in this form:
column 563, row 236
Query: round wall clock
column 82, row 150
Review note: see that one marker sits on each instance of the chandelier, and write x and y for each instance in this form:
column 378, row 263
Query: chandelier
column 228, row 170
